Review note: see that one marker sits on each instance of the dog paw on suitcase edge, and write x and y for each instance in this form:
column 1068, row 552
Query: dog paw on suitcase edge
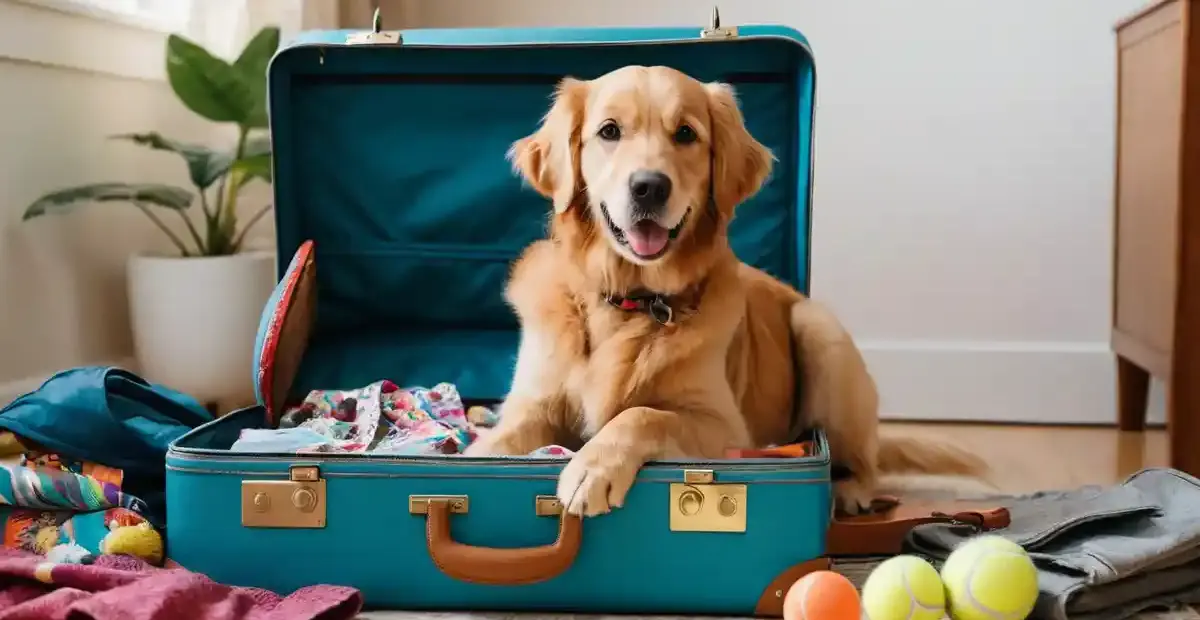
column 596, row 480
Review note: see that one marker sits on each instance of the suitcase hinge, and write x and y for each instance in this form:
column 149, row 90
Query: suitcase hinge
column 715, row 31
column 298, row 502
column 377, row 36
column 700, row 505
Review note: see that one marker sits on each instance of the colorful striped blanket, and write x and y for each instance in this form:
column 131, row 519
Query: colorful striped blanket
column 46, row 499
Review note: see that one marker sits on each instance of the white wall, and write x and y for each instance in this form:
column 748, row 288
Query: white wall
column 68, row 82
column 963, row 186
column 963, row 190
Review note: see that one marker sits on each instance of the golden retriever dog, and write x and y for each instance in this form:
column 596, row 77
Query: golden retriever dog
column 642, row 336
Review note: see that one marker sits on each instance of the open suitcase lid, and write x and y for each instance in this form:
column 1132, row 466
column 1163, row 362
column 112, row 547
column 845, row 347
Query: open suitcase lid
column 389, row 156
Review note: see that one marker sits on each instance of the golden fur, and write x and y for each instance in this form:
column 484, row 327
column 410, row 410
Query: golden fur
column 624, row 389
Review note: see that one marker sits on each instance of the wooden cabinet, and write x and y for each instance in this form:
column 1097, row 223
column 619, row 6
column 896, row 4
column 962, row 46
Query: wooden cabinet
column 1156, row 257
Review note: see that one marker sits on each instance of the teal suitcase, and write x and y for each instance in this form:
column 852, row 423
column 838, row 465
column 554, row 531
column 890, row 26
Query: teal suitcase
column 390, row 169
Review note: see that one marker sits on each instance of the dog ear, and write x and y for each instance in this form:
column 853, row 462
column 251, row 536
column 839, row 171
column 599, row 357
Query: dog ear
column 549, row 158
column 741, row 164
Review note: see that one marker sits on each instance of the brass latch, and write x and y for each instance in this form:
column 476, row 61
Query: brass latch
column 298, row 502
column 700, row 505
column 547, row 506
column 715, row 31
column 543, row 505
column 377, row 36
column 419, row 504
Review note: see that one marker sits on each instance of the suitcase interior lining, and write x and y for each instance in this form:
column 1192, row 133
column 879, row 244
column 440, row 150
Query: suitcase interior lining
column 392, row 160
column 215, row 438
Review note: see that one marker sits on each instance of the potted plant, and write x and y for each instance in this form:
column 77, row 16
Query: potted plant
column 194, row 312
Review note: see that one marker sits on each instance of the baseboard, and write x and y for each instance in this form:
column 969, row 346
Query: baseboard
column 12, row 389
column 1032, row 382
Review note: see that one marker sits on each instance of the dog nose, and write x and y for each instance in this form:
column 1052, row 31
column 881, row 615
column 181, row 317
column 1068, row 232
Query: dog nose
column 649, row 189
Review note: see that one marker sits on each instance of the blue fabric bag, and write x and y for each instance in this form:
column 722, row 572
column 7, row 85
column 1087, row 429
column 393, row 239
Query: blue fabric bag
column 108, row 416
column 397, row 218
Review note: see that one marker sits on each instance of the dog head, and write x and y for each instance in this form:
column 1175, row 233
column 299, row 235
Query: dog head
column 643, row 150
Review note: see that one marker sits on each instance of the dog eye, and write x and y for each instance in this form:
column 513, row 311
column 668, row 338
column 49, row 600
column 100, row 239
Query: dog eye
column 685, row 135
column 609, row 131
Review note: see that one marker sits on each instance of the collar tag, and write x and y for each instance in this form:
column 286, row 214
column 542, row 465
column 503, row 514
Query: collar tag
column 661, row 311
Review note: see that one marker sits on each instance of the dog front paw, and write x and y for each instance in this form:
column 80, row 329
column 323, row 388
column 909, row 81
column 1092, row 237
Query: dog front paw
column 852, row 497
column 596, row 480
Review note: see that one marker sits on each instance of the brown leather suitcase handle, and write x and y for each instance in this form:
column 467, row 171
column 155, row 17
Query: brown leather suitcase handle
column 496, row 566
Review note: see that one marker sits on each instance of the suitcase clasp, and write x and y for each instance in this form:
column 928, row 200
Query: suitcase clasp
column 715, row 31
column 377, row 36
column 700, row 505
column 298, row 502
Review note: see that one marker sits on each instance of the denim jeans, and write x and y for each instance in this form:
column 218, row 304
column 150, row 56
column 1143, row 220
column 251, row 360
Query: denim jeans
column 1101, row 553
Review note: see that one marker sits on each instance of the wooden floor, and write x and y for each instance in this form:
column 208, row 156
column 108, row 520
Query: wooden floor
column 1033, row 458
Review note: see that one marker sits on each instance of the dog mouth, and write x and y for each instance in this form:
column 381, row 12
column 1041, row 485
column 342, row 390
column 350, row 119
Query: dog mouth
column 647, row 239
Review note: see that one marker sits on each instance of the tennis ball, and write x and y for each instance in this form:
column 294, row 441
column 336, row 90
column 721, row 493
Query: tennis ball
column 990, row 578
column 904, row 588
column 822, row 595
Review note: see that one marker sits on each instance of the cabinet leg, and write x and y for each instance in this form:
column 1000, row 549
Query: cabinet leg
column 1183, row 427
column 1133, row 393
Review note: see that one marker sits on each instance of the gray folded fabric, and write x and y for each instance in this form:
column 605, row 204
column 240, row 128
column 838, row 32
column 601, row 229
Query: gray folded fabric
column 1101, row 553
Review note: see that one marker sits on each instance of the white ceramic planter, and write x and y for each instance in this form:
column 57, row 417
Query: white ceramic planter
column 194, row 321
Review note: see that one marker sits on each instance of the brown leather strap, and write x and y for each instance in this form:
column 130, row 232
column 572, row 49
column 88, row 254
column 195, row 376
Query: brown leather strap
column 770, row 602
column 883, row 533
column 495, row 566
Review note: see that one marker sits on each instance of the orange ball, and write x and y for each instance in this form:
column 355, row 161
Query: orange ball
column 822, row 595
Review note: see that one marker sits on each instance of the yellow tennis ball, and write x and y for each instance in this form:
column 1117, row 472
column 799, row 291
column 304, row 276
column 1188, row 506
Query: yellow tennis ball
column 140, row 540
column 990, row 578
column 904, row 588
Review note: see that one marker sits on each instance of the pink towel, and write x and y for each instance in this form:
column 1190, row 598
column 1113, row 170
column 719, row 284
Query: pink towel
column 125, row 588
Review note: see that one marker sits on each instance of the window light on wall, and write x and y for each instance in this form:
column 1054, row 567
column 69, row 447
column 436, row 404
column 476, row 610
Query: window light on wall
column 164, row 15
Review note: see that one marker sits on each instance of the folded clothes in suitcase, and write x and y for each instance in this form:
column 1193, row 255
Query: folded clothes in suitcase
column 390, row 169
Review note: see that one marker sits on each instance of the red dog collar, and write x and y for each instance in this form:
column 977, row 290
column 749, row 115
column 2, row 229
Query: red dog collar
column 657, row 306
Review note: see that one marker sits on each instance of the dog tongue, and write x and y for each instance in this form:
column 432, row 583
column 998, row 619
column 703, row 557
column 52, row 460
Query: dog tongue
column 647, row 238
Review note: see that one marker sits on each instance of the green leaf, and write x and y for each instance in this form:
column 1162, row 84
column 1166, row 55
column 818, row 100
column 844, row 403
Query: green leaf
column 208, row 85
column 256, row 161
column 205, row 165
column 256, row 167
column 252, row 63
column 168, row 196
column 258, row 52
